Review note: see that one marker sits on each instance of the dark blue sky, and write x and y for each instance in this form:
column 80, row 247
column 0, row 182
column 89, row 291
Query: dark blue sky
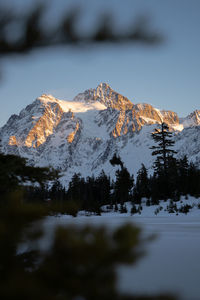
column 167, row 76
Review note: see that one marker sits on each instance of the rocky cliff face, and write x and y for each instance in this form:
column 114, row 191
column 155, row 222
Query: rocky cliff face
column 83, row 134
column 192, row 120
column 129, row 117
column 107, row 96
column 34, row 124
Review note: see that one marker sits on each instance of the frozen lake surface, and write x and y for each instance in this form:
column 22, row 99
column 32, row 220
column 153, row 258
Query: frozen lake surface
column 172, row 262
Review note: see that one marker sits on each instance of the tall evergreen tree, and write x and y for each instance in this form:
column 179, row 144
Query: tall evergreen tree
column 104, row 187
column 57, row 191
column 183, row 168
column 142, row 188
column 193, row 180
column 123, row 185
column 76, row 188
column 163, row 138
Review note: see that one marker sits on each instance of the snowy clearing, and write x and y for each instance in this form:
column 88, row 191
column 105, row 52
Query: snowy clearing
column 171, row 263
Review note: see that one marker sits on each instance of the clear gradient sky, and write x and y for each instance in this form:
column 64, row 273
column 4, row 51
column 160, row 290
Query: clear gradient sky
column 166, row 76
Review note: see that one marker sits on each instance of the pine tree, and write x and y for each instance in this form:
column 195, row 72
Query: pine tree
column 124, row 181
column 183, row 168
column 103, row 187
column 123, row 185
column 57, row 191
column 171, row 182
column 75, row 188
column 142, row 188
column 193, row 180
column 163, row 138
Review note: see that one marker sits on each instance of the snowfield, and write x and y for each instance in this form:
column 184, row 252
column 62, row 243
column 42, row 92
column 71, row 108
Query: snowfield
column 172, row 261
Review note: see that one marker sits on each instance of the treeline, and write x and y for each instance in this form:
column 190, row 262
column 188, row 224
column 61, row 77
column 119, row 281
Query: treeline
column 88, row 194
column 82, row 194
column 180, row 178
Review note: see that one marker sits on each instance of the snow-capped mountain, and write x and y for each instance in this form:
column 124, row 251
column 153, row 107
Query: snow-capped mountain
column 192, row 120
column 82, row 135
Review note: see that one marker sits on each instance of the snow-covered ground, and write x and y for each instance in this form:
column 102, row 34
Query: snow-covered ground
column 172, row 261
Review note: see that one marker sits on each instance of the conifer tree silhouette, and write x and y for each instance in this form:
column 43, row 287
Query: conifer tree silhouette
column 163, row 138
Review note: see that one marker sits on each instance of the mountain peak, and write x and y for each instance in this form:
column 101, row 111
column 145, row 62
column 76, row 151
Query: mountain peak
column 46, row 98
column 192, row 119
column 107, row 96
column 103, row 85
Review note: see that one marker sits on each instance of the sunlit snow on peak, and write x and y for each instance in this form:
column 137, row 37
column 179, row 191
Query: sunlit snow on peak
column 78, row 107
column 74, row 106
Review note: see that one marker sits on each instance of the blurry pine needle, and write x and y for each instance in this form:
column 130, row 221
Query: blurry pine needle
column 33, row 34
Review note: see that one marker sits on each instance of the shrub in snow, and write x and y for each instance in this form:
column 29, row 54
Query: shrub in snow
column 123, row 209
column 172, row 208
column 185, row 208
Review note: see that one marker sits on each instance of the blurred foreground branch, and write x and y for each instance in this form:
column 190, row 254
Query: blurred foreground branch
column 20, row 33
column 81, row 262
